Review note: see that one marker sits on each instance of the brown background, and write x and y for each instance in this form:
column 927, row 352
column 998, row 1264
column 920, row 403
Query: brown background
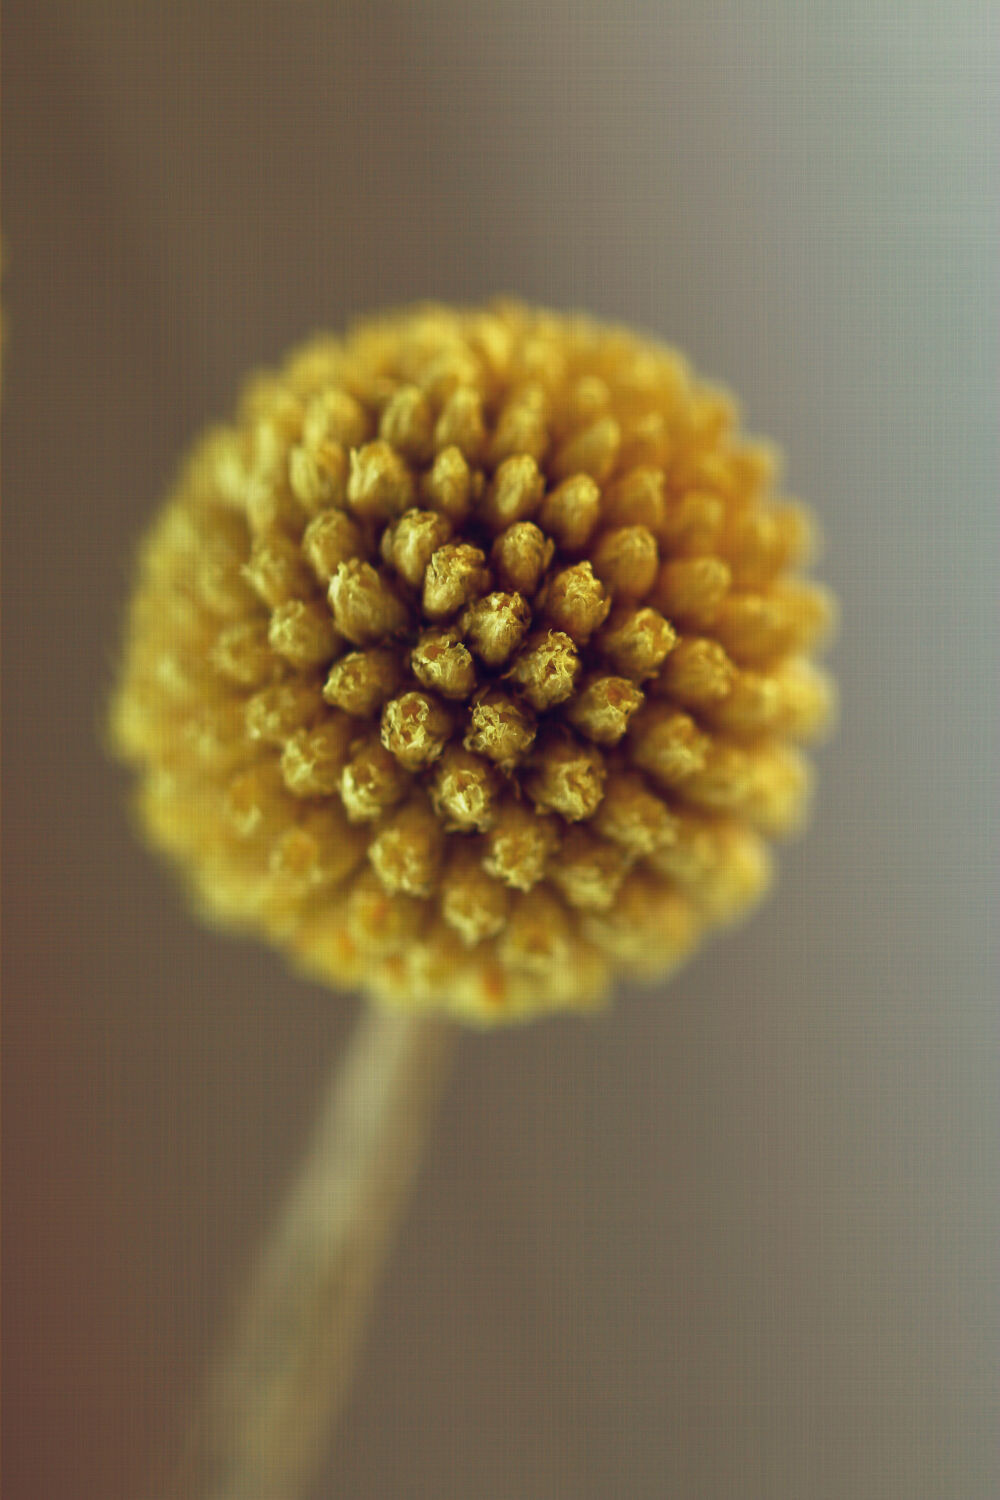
column 739, row 1240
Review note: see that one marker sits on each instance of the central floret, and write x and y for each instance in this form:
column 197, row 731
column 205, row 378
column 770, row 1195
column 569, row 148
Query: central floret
column 471, row 622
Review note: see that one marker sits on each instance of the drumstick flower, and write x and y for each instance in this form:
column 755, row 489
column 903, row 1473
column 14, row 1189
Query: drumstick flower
column 470, row 663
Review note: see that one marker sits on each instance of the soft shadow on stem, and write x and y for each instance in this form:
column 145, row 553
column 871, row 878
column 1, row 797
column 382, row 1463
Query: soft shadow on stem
column 273, row 1398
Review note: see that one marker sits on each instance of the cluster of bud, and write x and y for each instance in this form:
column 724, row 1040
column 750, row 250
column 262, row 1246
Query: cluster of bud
column 469, row 663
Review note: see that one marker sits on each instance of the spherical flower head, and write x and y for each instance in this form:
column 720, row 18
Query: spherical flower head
column 470, row 662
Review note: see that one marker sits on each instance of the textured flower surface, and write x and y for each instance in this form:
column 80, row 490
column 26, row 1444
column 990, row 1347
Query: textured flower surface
column 469, row 663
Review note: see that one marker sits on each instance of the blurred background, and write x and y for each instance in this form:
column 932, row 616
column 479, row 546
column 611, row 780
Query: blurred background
column 740, row 1238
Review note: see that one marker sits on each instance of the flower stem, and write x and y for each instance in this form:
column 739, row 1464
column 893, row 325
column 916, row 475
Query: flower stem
column 273, row 1397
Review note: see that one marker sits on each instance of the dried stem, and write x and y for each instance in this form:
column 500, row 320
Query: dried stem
column 273, row 1398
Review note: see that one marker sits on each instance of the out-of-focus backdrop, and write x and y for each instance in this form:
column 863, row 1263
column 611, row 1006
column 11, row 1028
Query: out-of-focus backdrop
column 740, row 1239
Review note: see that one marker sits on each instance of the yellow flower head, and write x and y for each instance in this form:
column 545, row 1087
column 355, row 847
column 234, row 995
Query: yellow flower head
column 468, row 664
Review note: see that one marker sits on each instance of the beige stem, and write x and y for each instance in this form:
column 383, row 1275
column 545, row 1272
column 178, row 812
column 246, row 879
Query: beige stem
column 273, row 1398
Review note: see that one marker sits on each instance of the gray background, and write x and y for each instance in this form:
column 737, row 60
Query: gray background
column 740, row 1239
